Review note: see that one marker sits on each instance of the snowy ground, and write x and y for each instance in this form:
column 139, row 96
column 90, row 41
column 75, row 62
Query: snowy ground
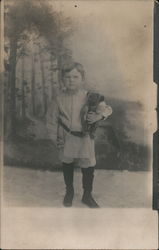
column 33, row 217
column 25, row 187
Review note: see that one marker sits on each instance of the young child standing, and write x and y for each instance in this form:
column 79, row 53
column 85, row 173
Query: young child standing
column 74, row 146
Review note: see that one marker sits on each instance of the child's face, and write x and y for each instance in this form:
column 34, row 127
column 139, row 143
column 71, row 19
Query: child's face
column 72, row 80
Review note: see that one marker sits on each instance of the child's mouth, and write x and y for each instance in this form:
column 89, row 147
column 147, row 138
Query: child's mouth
column 72, row 86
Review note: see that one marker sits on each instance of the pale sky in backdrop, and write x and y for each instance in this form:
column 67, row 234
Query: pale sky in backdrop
column 113, row 40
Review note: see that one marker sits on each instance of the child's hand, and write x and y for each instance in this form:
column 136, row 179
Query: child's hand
column 92, row 117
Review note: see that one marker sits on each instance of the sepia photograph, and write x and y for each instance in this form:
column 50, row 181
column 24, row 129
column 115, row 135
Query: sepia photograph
column 79, row 113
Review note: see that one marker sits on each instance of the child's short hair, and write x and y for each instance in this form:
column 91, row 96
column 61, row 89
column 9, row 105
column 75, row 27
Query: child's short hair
column 74, row 65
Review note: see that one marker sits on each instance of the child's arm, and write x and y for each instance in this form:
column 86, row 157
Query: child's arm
column 52, row 120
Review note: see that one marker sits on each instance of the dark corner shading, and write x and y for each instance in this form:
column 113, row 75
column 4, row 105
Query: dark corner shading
column 156, row 134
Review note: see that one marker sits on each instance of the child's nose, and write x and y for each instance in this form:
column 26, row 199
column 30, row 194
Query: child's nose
column 71, row 79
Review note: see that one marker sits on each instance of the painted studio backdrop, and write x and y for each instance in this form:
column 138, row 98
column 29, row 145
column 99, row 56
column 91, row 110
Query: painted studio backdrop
column 113, row 43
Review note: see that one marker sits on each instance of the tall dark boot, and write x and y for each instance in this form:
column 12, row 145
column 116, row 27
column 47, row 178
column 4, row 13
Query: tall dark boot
column 68, row 171
column 87, row 181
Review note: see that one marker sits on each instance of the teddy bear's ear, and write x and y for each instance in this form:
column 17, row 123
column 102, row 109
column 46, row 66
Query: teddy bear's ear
column 102, row 98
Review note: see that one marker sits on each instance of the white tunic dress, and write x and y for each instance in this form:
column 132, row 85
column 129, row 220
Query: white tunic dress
column 73, row 148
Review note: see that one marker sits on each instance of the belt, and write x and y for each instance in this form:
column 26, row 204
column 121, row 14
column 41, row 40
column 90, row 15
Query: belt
column 75, row 133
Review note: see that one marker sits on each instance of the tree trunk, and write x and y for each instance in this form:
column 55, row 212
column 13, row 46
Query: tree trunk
column 59, row 65
column 12, row 84
column 33, row 85
column 43, row 82
column 23, row 91
column 54, row 85
column 59, row 62
column 52, row 80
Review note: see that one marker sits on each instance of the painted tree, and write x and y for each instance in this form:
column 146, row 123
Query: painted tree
column 23, row 82
column 43, row 79
column 37, row 17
